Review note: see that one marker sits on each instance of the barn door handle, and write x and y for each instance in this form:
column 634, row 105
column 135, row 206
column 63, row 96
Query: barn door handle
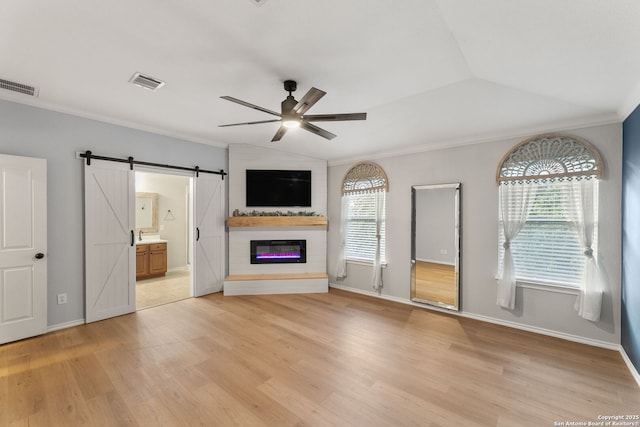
column 133, row 238
column 197, row 234
column 39, row 255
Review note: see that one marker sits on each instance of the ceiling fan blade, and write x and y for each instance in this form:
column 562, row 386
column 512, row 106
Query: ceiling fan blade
column 308, row 100
column 279, row 134
column 247, row 104
column 334, row 117
column 318, row 131
column 249, row 123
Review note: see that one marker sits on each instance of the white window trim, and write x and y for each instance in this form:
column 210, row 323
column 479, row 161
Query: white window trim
column 545, row 286
column 548, row 287
column 359, row 261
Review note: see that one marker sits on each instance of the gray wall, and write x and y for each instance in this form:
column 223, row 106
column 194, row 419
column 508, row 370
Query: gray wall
column 29, row 131
column 33, row 132
column 475, row 167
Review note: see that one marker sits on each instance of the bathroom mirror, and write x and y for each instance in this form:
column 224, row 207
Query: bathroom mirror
column 147, row 212
column 435, row 245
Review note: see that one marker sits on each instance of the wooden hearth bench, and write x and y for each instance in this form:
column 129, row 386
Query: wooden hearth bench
column 277, row 283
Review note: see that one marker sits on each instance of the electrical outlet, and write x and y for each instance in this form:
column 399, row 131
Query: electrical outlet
column 443, row 251
column 62, row 299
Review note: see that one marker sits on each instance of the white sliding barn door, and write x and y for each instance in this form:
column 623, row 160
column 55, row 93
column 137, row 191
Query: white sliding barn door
column 23, row 247
column 209, row 233
column 109, row 192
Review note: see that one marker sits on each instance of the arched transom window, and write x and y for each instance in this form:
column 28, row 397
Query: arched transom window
column 550, row 156
column 364, row 177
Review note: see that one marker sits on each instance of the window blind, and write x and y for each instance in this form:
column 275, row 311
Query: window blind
column 361, row 228
column 547, row 250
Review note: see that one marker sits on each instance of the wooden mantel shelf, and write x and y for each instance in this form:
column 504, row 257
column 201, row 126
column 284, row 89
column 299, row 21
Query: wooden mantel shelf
column 277, row 221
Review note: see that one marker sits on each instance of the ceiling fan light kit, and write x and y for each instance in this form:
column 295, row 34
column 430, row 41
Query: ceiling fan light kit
column 290, row 123
column 292, row 113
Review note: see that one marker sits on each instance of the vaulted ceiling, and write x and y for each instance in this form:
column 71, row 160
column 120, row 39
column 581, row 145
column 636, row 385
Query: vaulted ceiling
column 429, row 73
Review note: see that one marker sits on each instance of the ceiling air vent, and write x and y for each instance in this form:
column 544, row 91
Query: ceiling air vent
column 146, row 82
column 18, row 87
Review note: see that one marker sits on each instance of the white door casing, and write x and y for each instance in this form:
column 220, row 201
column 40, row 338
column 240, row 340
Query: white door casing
column 109, row 240
column 209, row 234
column 23, row 247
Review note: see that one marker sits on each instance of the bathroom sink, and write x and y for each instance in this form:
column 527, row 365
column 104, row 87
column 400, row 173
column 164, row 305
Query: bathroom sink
column 150, row 238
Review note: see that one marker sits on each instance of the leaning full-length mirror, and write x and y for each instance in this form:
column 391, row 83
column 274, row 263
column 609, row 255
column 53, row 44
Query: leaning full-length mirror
column 435, row 245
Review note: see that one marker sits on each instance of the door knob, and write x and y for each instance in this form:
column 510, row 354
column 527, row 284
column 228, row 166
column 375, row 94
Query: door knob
column 39, row 255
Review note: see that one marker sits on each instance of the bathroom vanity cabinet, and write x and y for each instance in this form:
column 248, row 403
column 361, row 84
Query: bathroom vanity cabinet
column 151, row 260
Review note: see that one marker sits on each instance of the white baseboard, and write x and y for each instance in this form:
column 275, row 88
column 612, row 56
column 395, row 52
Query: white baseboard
column 542, row 331
column 65, row 325
column 632, row 369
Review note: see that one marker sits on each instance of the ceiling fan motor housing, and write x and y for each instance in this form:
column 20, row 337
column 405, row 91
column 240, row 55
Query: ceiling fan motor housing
column 290, row 86
column 288, row 104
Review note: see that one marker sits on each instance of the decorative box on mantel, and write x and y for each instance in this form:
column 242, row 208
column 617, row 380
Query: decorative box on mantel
column 246, row 278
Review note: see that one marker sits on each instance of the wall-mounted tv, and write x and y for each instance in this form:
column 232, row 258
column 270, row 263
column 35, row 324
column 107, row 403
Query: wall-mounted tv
column 278, row 188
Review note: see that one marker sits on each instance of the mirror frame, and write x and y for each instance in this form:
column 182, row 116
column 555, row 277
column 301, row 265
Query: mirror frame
column 154, row 212
column 457, row 199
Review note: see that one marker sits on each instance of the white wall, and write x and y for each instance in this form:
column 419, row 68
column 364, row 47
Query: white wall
column 34, row 132
column 172, row 193
column 240, row 244
column 475, row 167
column 243, row 157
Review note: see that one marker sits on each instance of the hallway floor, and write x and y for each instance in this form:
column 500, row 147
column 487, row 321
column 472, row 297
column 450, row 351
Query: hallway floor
column 174, row 286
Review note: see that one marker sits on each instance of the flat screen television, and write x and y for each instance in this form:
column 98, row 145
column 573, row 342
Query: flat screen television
column 278, row 188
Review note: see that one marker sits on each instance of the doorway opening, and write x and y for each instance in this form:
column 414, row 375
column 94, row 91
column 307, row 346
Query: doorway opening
column 163, row 238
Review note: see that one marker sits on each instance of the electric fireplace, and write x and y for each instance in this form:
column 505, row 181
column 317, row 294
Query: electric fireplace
column 278, row 251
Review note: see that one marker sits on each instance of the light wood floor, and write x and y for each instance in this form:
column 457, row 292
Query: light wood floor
column 336, row 359
column 173, row 286
column 435, row 282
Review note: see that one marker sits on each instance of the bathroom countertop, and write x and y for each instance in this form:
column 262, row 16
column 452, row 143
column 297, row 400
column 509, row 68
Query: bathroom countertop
column 150, row 241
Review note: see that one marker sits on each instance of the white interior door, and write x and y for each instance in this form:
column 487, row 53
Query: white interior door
column 109, row 240
column 209, row 255
column 23, row 247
